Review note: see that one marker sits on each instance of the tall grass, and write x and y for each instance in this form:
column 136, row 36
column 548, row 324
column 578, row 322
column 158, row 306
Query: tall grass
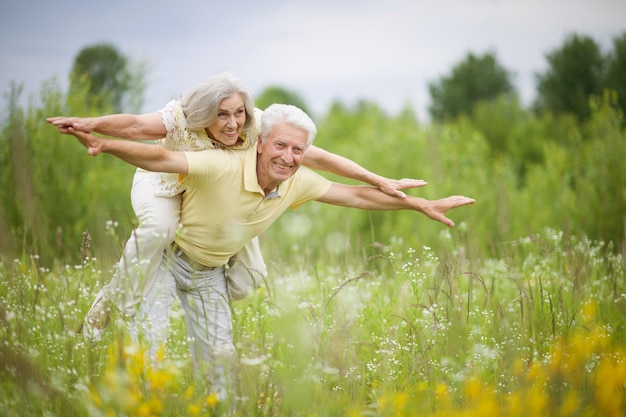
column 401, row 331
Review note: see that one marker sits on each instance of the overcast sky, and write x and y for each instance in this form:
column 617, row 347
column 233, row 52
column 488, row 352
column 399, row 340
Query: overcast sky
column 386, row 51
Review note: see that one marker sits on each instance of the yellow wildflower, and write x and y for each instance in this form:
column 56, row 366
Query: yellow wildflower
column 570, row 404
column 211, row 399
column 194, row 409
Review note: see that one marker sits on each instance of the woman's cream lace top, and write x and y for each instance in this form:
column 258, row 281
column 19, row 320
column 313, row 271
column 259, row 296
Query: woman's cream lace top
column 180, row 138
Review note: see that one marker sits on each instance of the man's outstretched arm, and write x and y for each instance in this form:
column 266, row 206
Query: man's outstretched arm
column 321, row 159
column 369, row 198
column 149, row 157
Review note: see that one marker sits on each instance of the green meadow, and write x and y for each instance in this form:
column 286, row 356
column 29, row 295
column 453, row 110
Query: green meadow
column 519, row 310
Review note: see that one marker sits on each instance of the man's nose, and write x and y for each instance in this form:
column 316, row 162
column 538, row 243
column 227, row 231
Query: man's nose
column 288, row 155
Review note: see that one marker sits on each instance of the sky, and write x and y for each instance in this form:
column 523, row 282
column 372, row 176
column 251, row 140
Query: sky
column 384, row 51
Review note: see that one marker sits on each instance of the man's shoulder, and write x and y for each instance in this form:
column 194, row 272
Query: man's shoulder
column 211, row 160
column 306, row 181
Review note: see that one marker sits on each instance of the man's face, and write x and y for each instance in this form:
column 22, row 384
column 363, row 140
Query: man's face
column 280, row 156
column 231, row 116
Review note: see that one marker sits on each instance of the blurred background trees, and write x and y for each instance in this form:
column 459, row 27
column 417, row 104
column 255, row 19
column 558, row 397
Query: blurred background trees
column 111, row 79
column 616, row 70
column 476, row 79
column 558, row 164
column 576, row 71
column 276, row 94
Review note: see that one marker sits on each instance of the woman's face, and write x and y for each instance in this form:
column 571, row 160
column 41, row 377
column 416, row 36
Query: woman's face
column 231, row 116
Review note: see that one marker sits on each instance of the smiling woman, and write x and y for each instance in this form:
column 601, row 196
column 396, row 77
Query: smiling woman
column 231, row 115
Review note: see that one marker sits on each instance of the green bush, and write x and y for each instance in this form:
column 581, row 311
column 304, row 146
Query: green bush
column 51, row 192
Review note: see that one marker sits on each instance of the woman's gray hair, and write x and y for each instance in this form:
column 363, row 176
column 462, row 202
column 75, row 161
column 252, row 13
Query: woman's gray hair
column 201, row 103
column 291, row 115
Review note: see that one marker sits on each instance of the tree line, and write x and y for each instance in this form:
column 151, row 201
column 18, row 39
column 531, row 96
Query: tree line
column 576, row 71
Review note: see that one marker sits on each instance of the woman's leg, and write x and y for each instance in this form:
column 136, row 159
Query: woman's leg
column 152, row 319
column 135, row 272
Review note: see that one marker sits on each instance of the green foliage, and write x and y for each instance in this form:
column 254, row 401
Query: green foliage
column 575, row 72
column 478, row 78
column 616, row 70
column 51, row 192
column 585, row 179
column 109, row 77
column 600, row 173
column 275, row 94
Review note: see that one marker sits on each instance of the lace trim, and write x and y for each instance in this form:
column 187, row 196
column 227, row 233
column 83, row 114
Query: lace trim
column 179, row 138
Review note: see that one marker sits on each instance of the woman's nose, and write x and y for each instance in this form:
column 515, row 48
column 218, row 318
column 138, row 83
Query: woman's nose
column 232, row 121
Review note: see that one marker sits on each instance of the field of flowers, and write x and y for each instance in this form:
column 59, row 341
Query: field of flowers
column 403, row 332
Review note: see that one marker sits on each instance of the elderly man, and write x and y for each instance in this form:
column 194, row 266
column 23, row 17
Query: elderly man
column 231, row 197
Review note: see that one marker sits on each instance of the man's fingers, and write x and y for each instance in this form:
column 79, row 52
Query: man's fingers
column 454, row 202
column 460, row 200
column 78, row 133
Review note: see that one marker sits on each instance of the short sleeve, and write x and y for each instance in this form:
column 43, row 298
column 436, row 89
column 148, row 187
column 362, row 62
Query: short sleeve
column 168, row 113
column 311, row 186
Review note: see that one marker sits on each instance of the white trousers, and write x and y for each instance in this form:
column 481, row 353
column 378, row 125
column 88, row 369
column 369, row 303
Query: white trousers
column 135, row 273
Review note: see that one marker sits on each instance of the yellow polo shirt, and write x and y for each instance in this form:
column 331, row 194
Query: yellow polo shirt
column 224, row 207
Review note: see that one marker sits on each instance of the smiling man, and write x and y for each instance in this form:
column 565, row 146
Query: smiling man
column 232, row 197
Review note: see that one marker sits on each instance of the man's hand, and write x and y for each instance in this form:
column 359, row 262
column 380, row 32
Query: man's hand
column 94, row 144
column 437, row 209
column 370, row 198
column 393, row 187
column 149, row 157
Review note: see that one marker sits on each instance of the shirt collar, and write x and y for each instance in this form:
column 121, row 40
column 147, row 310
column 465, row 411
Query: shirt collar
column 251, row 181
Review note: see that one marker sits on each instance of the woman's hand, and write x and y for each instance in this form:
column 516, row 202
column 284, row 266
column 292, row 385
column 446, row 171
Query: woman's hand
column 393, row 187
column 63, row 123
column 94, row 144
